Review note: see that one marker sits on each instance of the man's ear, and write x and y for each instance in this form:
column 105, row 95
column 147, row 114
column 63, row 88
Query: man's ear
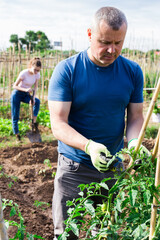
column 89, row 33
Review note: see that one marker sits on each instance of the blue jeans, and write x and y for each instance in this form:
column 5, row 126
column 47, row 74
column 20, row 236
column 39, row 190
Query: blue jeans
column 16, row 98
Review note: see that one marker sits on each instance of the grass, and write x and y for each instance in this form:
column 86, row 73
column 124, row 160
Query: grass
column 11, row 141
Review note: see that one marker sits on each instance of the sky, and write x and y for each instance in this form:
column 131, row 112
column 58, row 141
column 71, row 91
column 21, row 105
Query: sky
column 68, row 20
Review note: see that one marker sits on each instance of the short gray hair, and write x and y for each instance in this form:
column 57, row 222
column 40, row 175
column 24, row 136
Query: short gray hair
column 112, row 16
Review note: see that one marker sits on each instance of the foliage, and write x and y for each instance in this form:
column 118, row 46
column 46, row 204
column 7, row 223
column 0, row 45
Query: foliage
column 42, row 205
column 151, row 132
column 156, row 108
column 35, row 40
column 47, row 165
column 14, row 39
column 151, row 78
column 44, row 117
column 3, row 174
column 4, row 110
column 21, row 233
column 125, row 217
column 6, row 127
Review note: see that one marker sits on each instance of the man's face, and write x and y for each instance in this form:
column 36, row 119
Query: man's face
column 106, row 44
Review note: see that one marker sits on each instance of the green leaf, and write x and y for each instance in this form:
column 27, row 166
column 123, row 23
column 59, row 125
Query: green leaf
column 13, row 211
column 81, row 194
column 104, row 185
column 74, row 228
column 147, row 196
column 37, row 236
column 89, row 206
column 133, row 194
column 118, row 205
column 63, row 236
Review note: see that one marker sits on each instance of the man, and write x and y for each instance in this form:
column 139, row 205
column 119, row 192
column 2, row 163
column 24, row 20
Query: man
column 88, row 96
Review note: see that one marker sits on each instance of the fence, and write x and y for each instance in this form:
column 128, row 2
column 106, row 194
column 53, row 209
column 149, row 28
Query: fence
column 12, row 63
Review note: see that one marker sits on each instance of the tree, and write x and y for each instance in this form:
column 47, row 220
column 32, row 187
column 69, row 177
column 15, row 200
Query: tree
column 14, row 39
column 38, row 40
column 43, row 42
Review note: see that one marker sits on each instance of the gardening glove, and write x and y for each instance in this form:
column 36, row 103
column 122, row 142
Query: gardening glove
column 143, row 151
column 111, row 161
column 95, row 150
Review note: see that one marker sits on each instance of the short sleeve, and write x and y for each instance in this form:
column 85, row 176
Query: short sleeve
column 137, row 94
column 60, row 83
column 21, row 75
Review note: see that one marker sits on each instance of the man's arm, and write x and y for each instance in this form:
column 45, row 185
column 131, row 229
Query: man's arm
column 59, row 112
column 134, row 120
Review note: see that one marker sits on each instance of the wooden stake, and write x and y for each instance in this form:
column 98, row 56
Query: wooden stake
column 3, row 232
column 146, row 121
column 155, row 149
column 154, row 206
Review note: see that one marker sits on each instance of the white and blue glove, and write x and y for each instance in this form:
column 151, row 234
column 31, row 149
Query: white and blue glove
column 96, row 150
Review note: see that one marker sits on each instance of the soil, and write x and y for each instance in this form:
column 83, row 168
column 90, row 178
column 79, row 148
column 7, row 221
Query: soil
column 35, row 182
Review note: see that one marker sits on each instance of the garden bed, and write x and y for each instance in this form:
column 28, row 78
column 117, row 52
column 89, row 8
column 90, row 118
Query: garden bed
column 34, row 183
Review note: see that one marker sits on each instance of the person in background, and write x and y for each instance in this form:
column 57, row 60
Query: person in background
column 25, row 86
column 88, row 96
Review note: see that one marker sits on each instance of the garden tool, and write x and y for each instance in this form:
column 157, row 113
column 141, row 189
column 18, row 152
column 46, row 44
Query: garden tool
column 34, row 134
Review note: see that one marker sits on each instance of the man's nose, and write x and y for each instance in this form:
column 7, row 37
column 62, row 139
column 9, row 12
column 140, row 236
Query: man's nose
column 111, row 49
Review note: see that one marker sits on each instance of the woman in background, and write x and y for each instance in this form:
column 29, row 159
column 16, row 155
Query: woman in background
column 26, row 84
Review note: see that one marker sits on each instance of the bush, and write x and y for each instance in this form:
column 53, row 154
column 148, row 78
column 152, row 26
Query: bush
column 151, row 132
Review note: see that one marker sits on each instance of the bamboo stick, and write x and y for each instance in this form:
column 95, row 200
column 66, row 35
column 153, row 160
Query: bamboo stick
column 154, row 206
column 146, row 121
column 3, row 231
column 155, row 149
column 3, row 89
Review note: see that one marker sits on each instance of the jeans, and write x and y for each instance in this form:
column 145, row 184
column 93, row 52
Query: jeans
column 69, row 175
column 16, row 98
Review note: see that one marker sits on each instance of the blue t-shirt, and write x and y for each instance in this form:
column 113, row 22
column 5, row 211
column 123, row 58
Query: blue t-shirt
column 99, row 97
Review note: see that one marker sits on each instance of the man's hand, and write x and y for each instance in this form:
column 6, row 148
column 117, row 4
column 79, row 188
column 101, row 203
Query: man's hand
column 143, row 151
column 95, row 150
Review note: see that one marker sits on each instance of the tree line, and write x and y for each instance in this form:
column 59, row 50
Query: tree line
column 35, row 40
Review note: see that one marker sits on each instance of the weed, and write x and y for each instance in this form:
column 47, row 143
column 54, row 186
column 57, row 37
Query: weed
column 2, row 174
column 47, row 165
column 21, row 233
column 41, row 205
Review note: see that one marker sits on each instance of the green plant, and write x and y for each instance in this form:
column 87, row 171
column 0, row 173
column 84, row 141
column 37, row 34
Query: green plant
column 47, row 165
column 44, row 117
column 21, row 233
column 13, row 178
column 41, row 204
column 6, row 127
column 125, row 217
column 151, row 132
column 156, row 109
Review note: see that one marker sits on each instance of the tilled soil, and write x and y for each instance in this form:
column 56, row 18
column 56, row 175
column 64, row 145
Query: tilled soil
column 34, row 183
